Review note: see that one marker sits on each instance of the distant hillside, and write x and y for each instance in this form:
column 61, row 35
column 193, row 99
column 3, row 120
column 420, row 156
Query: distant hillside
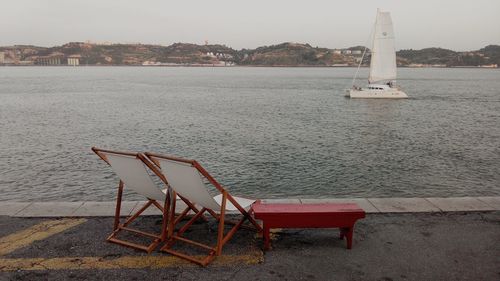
column 432, row 56
column 124, row 54
column 284, row 54
column 290, row 54
column 492, row 52
column 437, row 56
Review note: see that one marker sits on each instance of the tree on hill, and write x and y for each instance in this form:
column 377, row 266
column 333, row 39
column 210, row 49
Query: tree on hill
column 493, row 52
column 428, row 55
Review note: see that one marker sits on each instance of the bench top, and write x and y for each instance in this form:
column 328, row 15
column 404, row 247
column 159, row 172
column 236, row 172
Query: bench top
column 322, row 208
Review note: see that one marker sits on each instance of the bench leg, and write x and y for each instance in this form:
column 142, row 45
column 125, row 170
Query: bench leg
column 265, row 234
column 349, row 237
column 347, row 232
column 343, row 231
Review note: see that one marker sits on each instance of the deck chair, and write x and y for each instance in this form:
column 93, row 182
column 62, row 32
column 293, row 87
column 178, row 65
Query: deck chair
column 132, row 170
column 185, row 177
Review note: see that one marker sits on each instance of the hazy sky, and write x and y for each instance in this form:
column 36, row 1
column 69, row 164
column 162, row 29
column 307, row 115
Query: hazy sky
column 454, row 24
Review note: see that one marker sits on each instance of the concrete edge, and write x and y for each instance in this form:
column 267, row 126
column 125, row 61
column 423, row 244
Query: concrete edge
column 370, row 205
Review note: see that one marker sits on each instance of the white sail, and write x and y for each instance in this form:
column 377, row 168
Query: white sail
column 383, row 60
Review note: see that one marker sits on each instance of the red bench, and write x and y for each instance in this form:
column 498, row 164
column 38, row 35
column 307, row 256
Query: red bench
column 328, row 215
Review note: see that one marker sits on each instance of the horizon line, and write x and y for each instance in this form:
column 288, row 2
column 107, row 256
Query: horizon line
column 109, row 43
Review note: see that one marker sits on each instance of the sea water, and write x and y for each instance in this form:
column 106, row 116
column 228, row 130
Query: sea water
column 261, row 132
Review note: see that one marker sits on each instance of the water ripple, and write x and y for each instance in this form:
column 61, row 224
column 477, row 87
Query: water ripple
column 262, row 132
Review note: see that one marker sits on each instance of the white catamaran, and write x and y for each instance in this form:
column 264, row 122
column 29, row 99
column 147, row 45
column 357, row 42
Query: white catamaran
column 381, row 82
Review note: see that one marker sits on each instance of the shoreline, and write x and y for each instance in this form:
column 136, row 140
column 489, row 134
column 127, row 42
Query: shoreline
column 246, row 66
column 370, row 205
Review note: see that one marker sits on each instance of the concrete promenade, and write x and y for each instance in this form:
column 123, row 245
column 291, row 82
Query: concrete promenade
column 400, row 239
column 370, row 205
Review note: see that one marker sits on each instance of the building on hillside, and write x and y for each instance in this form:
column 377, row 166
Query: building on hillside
column 356, row 52
column 74, row 60
column 347, row 52
column 10, row 57
column 2, row 57
column 26, row 62
column 337, row 52
column 49, row 60
column 489, row 66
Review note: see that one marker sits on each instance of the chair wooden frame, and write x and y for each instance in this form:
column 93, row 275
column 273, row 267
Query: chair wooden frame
column 222, row 238
column 164, row 208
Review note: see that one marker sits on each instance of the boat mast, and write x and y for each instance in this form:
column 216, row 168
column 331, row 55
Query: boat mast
column 359, row 65
column 364, row 52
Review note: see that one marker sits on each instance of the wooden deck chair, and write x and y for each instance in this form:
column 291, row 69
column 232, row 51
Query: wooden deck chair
column 131, row 168
column 185, row 177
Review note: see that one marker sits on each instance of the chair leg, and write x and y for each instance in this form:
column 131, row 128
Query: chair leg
column 118, row 206
column 173, row 221
column 222, row 237
column 172, row 238
column 164, row 222
column 171, row 218
column 157, row 238
column 190, row 222
column 220, row 233
column 232, row 231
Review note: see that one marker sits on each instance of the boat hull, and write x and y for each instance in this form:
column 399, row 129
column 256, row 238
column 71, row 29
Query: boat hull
column 376, row 94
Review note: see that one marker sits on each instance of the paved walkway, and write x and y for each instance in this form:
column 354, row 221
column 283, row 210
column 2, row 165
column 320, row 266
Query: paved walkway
column 390, row 246
column 371, row 205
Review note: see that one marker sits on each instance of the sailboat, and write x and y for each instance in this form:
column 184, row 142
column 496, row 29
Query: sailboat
column 381, row 82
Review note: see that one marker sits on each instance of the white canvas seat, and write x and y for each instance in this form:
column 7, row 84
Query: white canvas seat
column 134, row 175
column 243, row 202
column 186, row 178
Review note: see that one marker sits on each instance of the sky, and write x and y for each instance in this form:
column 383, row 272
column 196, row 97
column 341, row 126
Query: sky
column 453, row 24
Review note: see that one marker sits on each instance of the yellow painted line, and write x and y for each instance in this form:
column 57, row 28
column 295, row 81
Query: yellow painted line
column 39, row 231
column 152, row 262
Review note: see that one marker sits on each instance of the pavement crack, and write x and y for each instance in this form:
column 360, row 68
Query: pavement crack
column 39, row 264
column 110, row 257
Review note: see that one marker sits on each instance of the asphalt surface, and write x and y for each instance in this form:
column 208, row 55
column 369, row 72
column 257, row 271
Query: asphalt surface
column 424, row 246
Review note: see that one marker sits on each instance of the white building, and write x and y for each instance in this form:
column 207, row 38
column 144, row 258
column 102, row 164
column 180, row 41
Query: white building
column 74, row 60
column 49, row 60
